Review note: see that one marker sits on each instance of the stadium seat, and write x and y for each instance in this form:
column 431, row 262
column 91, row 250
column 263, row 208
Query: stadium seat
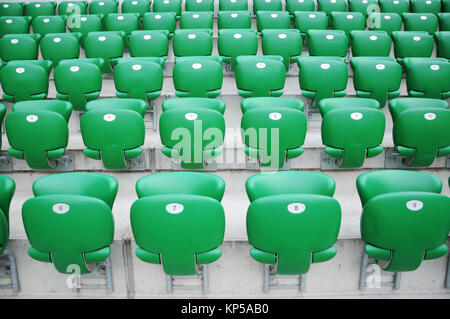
column 2, row 115
column 308, row 20
column 285, row 43
column 347, row 21
column 10, row 9
column 329, row 6
column 19, row 47
column 103, row 7
column 426, row 6
column 412, row 44
column 176, row 103
column 273, row 20
column 388, row 22
column 394, row 6
column 430, row 137
column 198, row 77
column 49, row 24
column 14, row 25
column 195, row 237
column 420, row 22
column 234, row 20
column 196, row 20
column 40, row 8
column 327, row 43
column 68, row 8
column 69, row 222
column 404, row 219
column 445, row 5
column 370, row 43
column 167, row 6
column 113, row 131
column 149, row 43
column 273, row 129
column 192, row 42
column 136, row 6
column 376, row 78
column 160, row 21
column 292, row 220
column 60, row 46
column 105, row 45
column 366, row 7
column 199, row 5
column 233, row 5
column 443, row 44
column 299, row 5
column 233, row 43
column 352, row 129
column 88, row 23
column 125, row 22
column 266, row 5
column 7, row 188
column 444, row 21
column 37, row 131
column 78, row 81
column 260, row 76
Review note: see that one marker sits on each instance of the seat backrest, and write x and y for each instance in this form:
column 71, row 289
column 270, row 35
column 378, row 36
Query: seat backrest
column 40, row 8
column 196, row 20
column 175, row 103
column 151, row 43
column 267, row 5
column 427, row 22
column 7, row 188
column 2, row 115
column 60, row 46
column 167, row 6
column 295, row 5
column 271, row 102
column 199, row 5
column 426, row 6
column 388, row 22
column 308, row 20
column 49, row 24
column 19, row 47
column 103, row 7
column 329, row 6
column 12, row 9
column 86, row 24
column 412, row 44
column 444, row 21
column 159, row 21
column 136, row 6
column 272, row 20
column 68, row 7
column 233, row 5
column 370, row 43
column 235, row 42
column 394, row 6
column 192, row 42
column 106, row 45
column 327, row 43
column 443, row 44
column 136, row 105
column 14, row 25
column 286, row 43
column 366, row 7
column 126, row 22
column 234, row 20
column 348, row 21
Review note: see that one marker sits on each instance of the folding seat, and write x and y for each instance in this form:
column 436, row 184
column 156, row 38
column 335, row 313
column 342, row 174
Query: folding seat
column 40, row 8
column 292, row 221
column 327, row 43
column 426, row 6
column 25, row 80
column 322, row 77
column 69, row 222
column 286, row 43
column 347, row 21
column 2, row 115
column 69, row 8
column 299, row 5
column 176, row 103
column 273, row 20
column 160, row 21
column 113, row 131
column 125, row 22
column 187, row 204
column 78, row 81
column 394, row 6
column 412, row 44
column 444, row 21
column 233, row 43
column 233, row 5
column 329, row 6
column 152, row 43
column 136, row 6
column 37, row 131
column 14, row 25
column 370, row 43
column 443, row 44
column 12, row 9
column 259, row 76
column 376, row 78
column 366, row 7
column 103, row 7
column 445, row 5
column 420, row 22
column 199, row 5
column 404, row 220
column 7, row 188
column 198, row 77
column 192, row 42
column 421, row 129
column 388, row 22
column 60, row 46
column 428, row 77
column 49, row 24
column 267, row 5
column 308, row 20
column 167, row 6
column 234, row 20
column 106, row 45
column 352, row 129
column 273, row 129
column 196, row 20
column 87, row 23
column 19, row 47
column 191, row 135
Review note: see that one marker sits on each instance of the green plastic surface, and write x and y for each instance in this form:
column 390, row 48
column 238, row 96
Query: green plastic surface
column 232, row 43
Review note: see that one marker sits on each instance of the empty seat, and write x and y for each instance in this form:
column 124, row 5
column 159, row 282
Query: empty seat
column 352, row 130
column 234, row 20
column 105, row 45
column 273, row 20
column 167, row 6
column 394, row 6
column 412, row 44
column 329, row 6
column 73, row 8
column 40, row 8
column 14, row 25
column 404, row 220
column 426, row 6
column 49, row 24
column 37, row 131
column 126, row 22
column 273, row 129
column 78, row 81
column 69, row 222
column 292, row 220
column 366, row 7
column 421, row 129
column 199, row 5
column 348, row 21
column 136, row 6
column 233, row 5
column 60, row 46
column 420, row 22
column 196, row 20
column 192, row 42
column 151, row 43
column 442, row 44
column 445, row 5
column 376, row 78
column 370, row 43
column 7, row 188
column 187, row 204
column 104, row 7
column 233, row 43
column 259, row 76
column 160, row 21
column 113, row 131
column 444, row 21
column 87, row 23
column 285, row 43
column 299, row 5
column 308, row 20
column 12, row 9
column 327, row 43
column 388, row 22
column 19, row 47
column 267, row 5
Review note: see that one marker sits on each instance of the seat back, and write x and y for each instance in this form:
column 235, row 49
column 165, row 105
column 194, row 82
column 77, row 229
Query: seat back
column 60, row 46
column 267, row 5
column 159, row 21
column 235, row 42
column 149, row 43
column 198, row 6
column 167, row 6
column 370, row 43
column 294, row 5
column 126, row 22
column 412, row 44
column 103, row 7
column 348, row 21
column 286, row 43
column 327, row 43
column 196, row 20
column 49, row 24
column 192, row 42
column 272, row 20
column 105, row 45
column 443, row 44
column 176, row 103
column 233, row 5
column 19, row 47
column 86, row 24
column 388, row 22
column 309, row 20
column 366, row 7
column 329, row 6
column 40, row 8
column 69, row 7
column 7, row 188
column 394, row 6
column 234, row 20
column 12, row 9
column 427, row 22
column 136, row 6
column 426, row 6
column 444, row 21
column 2, row 115
column 14, row 25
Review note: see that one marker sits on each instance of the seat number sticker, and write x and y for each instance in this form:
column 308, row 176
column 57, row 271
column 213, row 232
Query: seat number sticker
column 414, row 205
column 174, row 208
column 61, row 208
column 296, row 208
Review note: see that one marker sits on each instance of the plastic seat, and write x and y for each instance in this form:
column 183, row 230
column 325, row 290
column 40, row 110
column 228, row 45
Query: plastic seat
column 152, row 43
column 445, row 5
column 428, row 77
column 176, row 103
column 233, row 43
column 394, row 6
column 398, row 235
column 234, row 20
column 233, row 5
column 427, row 22
column 105, row 45
column 199, row 5
column 322, row 77
column 299, row 5
column 198, row 77
column 40, row 8
column 196, row 236
column 69, row 222
column 167, row 6
column 444, row 21
column 196, row 20
column 38, row 132
column 136, row 6
column 308, row 20
column 2, row 115
column 60, row 46
column 125, row 22
column 426, row 6
column 327, row 43
column 69, row 8
column 176, row 127
column 14, row 25
column 192, row 42
column 329, row 6
column 292, row 220
column 7, row 188
column 370, row 43
column 348, row 21
column 260, row 76
column 160, row 21
column 443, row 44
column 352, row 130
column 87, row 23
column 19, row 47
column 376, row 78
column 273, row 129
column 412, row 44
column 78, row 81
column 421, row 129
column 273, row 20
column 286, row 43
column 267, row 5
column 113, row 131
column 388, row 22
column 103, row 7
column 366, row 7
column 12, row 9
column 24, row 80
column 49, row 24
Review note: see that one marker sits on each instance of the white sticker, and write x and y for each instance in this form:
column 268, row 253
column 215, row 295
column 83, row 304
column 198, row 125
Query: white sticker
column 83, row 19
column 101, row 3
column 380, row 66
column 312, row 16
column 32, row 118
column 15, row 41
column 282, row 35
column 356, row 116
column 275, row 116
column 61, row 208
column 174, row 208
column 233, row 1
column 158, row 16
column 428, row 2
column 330, row 37
column 20, row 70
column 38, row 5
column 364, row 1
column 349, row 16
column 260, row 65
column 197, row 66
column 109, row 117
column 101, row 38
column 191, row 116
column 46, row 20
column 166, row 1
column 192, row 36
column 70, row 4
column 199, row 1
column 296, row 208
column 57, row 40
column 8, row 21
column 373, row 37
column 134, row 3
column 147, row 37
column 136, row 67
column 195, row 16
column 274, row 15
column 268, row 1
column 414, row 205
column 423, row 18
column 120, row 18
column 434, row 67
column 387, row 17
column 325, row 66
column 237, row 35
column 234, row 15
column 416, row 38
column 333, row 1
column 301, row 1
column 75, row 68
column 6, row 6
column 429, row 116
column 396, row 2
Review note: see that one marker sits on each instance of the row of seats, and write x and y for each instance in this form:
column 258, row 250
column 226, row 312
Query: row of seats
column 178, row 220
column 192, row 130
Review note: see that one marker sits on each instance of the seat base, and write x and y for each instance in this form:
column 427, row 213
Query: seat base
column 370, row 275
column 202, row 274
column 8, row 269
column 270, row 276
column 101, row 270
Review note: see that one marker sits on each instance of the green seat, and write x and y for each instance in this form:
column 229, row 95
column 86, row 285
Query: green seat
column 412, row 44
column 196, row 20
column 286, row 43
column 299, row 5
column 376, row 78
column 273, row 129
column 68, row 7
column 105, row 45
column 103, row 7
column 259, row 76
column 308, row 20
column 113, row 131
column 329, row 6
column 273, row 20
column 87, row 23
column 140, row 7
column 125, row 22
column 366, row 7
column 70, row 226
column 14, row 25
column 347, row 21
column 25, row 80
column 7, row 188
column 199, row 5
column 12, row 9
column 187, row 102
column 38, row 132
column 192, row 42
column 370, row 43
column 321, row 78
column 427, row 22
column 426, row 6
column 2, row 115
column 404, row 220
column 232, row 43
column 388, row 22
column 197, row 77
column 234, row 20
column 49, row 24
column 421, row 129
column 19, row 47
column 442, row 44
column 167, row 6
column 266, row 5
column 445, row 5
column 160, row 21
column 233, row 5
column 191, row 135
column 428, row 77
column 292, row 220
column 40, row 8
column 151, row 43
column 394, row 6
column 78, row 81
column 444, row 21
column 60, row 46
column 352, row 130
column 327, row 43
